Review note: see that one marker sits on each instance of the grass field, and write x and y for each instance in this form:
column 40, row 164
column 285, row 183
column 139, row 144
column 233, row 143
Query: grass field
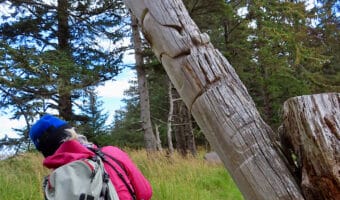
column 172, row 178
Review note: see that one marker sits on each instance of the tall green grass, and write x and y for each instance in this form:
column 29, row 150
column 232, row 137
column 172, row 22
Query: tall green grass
column 172, row 178
column 21, row 177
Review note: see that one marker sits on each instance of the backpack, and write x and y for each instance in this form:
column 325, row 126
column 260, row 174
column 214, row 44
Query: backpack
column 104, row 157
column 83, row 179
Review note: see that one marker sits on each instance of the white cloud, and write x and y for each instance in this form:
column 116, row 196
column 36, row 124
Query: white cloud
column 113, row 89
column 7, row 126
column 310, row 4
column 242, row 12
column 116, row 88
column 129, row 57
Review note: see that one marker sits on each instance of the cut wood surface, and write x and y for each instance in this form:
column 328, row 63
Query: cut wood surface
column 218, row 100
column 312, row 125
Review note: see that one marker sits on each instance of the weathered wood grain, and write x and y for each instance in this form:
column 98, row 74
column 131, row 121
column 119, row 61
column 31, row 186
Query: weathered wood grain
column 312, row 125
column 218, row 100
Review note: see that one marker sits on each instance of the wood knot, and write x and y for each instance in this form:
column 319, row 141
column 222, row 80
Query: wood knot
column 199, row 39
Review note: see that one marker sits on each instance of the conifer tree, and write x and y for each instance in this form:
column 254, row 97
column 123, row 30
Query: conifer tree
column 52, row 50
column 267, row 42
column 95, row 126
column 324, row 32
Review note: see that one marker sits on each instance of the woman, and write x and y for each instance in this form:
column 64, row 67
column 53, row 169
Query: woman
column 60, row 144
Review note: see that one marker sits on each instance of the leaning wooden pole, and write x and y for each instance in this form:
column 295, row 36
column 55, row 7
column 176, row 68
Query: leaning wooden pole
column 218, row 100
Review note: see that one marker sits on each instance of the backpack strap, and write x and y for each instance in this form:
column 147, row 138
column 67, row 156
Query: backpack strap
column 105, row 190
column 103, row 156
column 106, row 178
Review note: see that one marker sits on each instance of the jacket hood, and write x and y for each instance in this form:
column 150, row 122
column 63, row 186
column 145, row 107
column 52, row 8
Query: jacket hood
column 68, row 152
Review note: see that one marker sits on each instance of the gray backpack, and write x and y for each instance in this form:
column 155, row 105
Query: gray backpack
column 80, row 180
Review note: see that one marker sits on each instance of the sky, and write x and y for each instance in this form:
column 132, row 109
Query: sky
column 111, row 93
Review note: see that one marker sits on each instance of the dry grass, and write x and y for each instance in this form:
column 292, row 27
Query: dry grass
column 186, row 178
column 172, row 178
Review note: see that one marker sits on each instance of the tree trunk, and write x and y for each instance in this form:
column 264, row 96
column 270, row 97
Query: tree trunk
column 179, row 124
column 170, row 119
column 312, row 127
column 149, row 137
column 65, row 101
column 185, row 140
column 217, row 99
column 191, row 144
column 158, row 139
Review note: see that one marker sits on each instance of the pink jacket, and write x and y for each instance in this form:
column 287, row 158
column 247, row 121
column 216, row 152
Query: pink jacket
column 72, row 150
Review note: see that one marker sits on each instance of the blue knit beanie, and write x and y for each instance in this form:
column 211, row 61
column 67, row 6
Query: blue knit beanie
column 42, row 126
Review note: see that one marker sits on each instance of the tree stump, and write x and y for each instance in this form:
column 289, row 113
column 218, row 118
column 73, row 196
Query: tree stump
column 312, row 127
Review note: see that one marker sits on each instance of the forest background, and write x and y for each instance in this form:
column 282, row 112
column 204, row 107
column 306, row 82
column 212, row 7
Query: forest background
column 55, row 55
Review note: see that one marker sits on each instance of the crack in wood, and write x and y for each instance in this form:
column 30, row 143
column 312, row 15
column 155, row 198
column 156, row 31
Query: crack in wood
column 179, row 29
column 204, row 90
column 330, row 122
column 178, row 56
column 144, row 13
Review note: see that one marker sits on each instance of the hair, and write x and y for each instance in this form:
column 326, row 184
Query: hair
column 73, row 135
